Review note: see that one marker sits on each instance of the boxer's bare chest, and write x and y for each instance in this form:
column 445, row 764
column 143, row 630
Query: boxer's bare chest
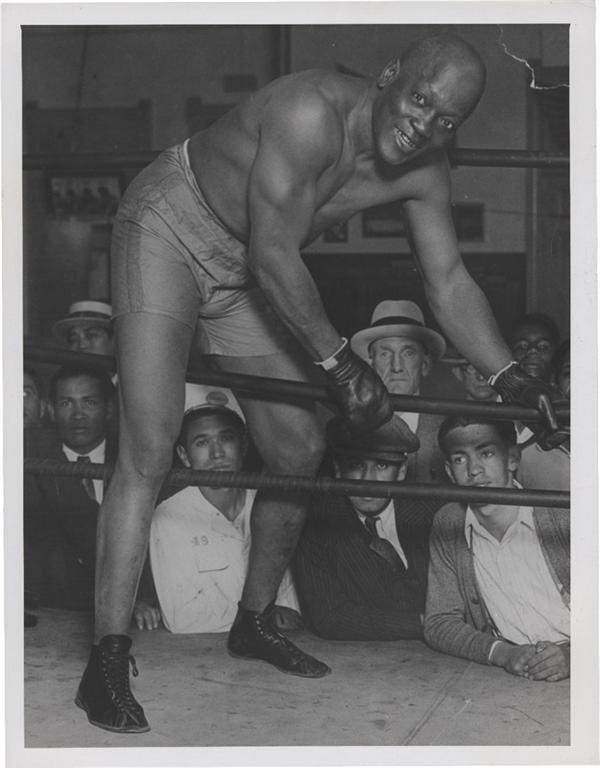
column 354, row 188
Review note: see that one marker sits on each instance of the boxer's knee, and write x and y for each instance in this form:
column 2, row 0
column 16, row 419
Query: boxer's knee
column 149, row 456
column 300, row 453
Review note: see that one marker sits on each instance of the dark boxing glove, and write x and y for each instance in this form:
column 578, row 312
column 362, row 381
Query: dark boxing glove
column 357, row 390
column 515, row 386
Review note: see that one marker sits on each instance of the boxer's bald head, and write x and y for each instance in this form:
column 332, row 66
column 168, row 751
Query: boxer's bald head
column 436, row 53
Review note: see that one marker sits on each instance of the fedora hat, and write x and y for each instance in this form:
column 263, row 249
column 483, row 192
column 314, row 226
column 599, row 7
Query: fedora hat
column 392, row 442
column 398, row 318
column 96, row 312
column 202, row 396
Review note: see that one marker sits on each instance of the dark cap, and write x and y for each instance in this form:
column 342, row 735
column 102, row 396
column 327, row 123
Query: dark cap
column 391, row 442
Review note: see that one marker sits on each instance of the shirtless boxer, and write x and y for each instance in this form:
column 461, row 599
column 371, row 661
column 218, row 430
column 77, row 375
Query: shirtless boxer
column 212, row 231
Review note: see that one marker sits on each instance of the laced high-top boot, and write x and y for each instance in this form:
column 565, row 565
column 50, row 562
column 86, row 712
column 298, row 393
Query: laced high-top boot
column 252, row 636
column 104, row 691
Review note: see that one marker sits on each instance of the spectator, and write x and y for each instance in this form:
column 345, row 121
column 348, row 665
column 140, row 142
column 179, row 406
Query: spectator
column 86, row 328
column 61, row 512
column 533, row 341
column 401, row 349
column 200, row 537
column 499, row 575
column 361, row 563
column 475, row 384
column 34, row 400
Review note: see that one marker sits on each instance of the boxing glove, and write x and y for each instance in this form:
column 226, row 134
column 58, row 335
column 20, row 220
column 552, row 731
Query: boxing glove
column 515, row 386
column 357, row 390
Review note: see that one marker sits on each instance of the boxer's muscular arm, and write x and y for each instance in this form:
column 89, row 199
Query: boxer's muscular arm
column 457, row 302
column 299, row 141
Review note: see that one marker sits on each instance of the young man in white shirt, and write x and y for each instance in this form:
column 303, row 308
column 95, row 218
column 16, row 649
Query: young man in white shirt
column 499, row 575
column 200, row 537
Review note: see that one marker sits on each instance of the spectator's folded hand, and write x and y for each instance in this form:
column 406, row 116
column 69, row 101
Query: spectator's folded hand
column 146, row 616
column 551, row 662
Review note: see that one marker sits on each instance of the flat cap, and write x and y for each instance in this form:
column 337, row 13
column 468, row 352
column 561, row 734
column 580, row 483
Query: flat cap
column 391, row 442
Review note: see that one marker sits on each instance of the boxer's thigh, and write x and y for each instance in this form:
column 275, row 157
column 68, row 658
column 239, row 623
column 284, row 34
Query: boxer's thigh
column 288, row 433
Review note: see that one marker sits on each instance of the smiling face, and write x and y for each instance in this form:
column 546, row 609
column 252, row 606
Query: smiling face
column 362, row 468
column 533, row 348
column 419, row 108
column 400, row 362
column 213, row 442
column 80, row 413
column 478, row 457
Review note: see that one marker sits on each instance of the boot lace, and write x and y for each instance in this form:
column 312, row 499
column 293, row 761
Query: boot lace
column 115, row 668
column 275, row 638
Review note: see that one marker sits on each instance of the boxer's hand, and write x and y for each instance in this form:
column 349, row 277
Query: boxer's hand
column 359, row 392
column 515, row 386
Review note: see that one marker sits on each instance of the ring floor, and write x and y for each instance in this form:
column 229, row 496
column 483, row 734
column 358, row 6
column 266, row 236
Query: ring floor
column 379, row 694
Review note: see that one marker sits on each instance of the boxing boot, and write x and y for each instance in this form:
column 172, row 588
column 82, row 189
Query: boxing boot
column 252, row 636
column 104, row 691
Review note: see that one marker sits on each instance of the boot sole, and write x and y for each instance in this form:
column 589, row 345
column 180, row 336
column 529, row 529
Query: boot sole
column 137, row 729
column 281, row 669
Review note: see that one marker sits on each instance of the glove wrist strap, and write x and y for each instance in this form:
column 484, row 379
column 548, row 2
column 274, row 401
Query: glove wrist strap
column 494, row 378
column 332, row 360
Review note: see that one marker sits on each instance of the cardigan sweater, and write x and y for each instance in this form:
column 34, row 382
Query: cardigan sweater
column 456, row 619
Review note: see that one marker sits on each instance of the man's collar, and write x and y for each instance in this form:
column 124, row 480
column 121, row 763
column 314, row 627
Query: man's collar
column 389, row 509
column 524, row 516
column 96, row 454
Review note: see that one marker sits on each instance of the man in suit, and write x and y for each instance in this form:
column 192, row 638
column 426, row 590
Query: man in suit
column 402, row 350
column 499, row 575
column 61, row 512
column 360, row 568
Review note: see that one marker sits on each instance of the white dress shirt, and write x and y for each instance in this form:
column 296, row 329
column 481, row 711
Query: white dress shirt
column 96, row 457
column 199, row 561
column 386, row 528
column 515, row 582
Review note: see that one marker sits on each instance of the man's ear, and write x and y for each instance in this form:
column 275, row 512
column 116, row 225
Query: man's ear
column 183, row 457
column 51, row 410
column 389, row 74
column 449, row 472
column 402, row 470
column 514, row 458
column 337, row 470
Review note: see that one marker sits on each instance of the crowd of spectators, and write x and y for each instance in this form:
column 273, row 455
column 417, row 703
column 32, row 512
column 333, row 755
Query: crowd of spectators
column 484, row 581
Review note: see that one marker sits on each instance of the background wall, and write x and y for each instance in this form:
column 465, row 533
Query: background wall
column 94, row 72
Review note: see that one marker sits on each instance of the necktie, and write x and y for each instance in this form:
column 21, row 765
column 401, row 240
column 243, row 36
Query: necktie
column 88, row 483
column 383, row 547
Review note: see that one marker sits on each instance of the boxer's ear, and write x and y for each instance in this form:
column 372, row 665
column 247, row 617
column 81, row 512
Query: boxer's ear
column 389, row 74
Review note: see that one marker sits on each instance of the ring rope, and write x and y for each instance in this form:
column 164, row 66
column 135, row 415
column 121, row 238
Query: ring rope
column 370, row 488
column 277, row 388
column 490, row 158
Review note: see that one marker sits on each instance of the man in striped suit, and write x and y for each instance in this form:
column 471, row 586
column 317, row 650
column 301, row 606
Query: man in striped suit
column 361, row 565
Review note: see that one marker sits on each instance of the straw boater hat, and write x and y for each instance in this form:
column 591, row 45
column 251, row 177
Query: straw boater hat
column 398, row 318
column 201, row 396
column 93, row 312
